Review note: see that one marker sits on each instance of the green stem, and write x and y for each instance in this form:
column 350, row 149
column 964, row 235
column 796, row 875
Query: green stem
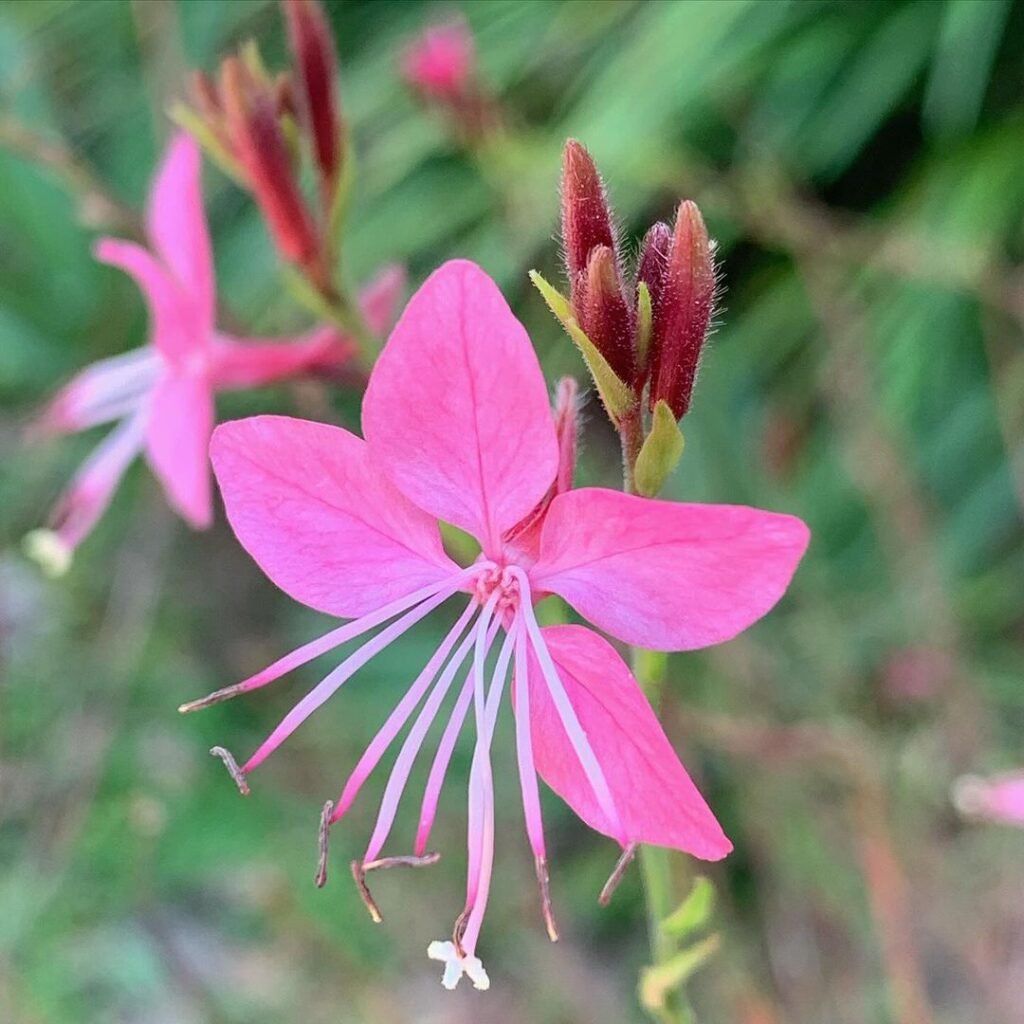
column 649, row 668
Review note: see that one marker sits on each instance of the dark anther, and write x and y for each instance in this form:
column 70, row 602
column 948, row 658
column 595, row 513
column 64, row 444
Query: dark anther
column 232, row 766
column 616, row 876
column 320, row 878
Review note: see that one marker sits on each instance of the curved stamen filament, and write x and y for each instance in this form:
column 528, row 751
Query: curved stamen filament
column 410, row 749
column 400, row 715
column 327, row 687
column 567, row 714
column 528, row 779
column 327, row 642
column 442, row 758
column 481, row 860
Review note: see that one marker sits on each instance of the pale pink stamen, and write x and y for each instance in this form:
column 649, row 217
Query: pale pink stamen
column 88, row 495
column 402, row 711
column 442, row 758
column 108, row 390
column 566, row 713
column 524, row 750
column 320, row 693
column 307, row 652
column 482, row 793
column 411, row 748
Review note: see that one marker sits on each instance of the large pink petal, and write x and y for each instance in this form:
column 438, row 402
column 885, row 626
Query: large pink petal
column 176, row 223
column 318, row 517
column 654, row 796
column 456, row 411
column 664, row 575
column 177, row 443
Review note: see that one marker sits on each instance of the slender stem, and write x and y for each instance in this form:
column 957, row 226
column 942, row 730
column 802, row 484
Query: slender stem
column 655, row 864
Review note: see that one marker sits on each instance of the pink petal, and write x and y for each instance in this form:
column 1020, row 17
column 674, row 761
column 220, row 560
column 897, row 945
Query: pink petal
column 456, row 411
column 380, row 296
column 665, row 575
column 656, row 800
column 171, row 325
column 176, row 223
column 177, row 442
column 255, row 362
column 321, row 521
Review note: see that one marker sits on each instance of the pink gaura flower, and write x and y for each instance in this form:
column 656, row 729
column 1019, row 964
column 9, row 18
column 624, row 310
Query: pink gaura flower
column 440, row 63
column 998, row 798
column 458, row 428
column 161, row 395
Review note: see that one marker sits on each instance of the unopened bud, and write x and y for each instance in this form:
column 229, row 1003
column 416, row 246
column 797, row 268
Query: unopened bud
column 604, row 314
column 440, row 64
column 316, row 65
column 586, row 219
column 566, row 430
column 652, row 267
column 260, row 148
column 683, row 312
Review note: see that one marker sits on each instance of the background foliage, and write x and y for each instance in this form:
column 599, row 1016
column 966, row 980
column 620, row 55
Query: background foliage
column 860, row 164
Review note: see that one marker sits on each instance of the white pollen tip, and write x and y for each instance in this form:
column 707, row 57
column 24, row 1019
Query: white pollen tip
column 456, row 966
column 47, row 549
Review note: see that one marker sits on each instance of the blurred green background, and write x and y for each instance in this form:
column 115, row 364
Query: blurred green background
column 861, row 166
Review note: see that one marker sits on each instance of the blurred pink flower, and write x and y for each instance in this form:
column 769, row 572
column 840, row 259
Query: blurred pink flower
column 458, row 428
column 440, row 63
column 161, row 395
column 998, row 798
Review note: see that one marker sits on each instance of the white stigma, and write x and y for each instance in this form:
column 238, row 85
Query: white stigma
column 456, row 966
column 47, row 549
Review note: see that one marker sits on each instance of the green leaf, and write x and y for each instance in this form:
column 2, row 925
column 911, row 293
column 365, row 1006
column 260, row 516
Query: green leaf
column 693, row 913
column 660, row 453
column 618, row 399
column 659, row 982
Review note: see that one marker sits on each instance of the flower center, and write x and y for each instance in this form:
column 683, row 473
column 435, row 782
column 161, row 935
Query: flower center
column 501, row 580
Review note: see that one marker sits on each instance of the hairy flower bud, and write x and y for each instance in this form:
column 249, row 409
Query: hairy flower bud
column 316, row 67
column 652, row 267
column 260, row 148
column 683, row 312
column 604, row 315
column 586, row 219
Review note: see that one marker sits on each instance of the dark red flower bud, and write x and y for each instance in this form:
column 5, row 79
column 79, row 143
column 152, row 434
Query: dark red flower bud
column 316, row 66
column 604, row 314
column 586, row 219
column 652, row 267
column 683, row 312
column 259, row 146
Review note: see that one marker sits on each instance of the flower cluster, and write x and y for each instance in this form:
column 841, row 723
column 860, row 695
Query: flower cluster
column 458, row 429
column 247, row 119
column 161, row 395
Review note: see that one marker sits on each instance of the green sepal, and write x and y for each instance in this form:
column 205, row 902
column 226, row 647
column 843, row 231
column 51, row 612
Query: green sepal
column 617, row 397
column 644, row 324
column 185, row 117
column 660, row 453
column 693, row 913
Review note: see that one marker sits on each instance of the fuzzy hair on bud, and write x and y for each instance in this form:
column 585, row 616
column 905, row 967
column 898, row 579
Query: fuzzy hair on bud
column 586, row 217
column 682, row 315
column 604, row 315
